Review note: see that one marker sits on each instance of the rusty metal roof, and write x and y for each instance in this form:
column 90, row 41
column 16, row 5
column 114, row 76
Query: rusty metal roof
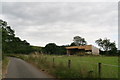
column 86, row 47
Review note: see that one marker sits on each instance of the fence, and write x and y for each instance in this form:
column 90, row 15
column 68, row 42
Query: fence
column 99, row 66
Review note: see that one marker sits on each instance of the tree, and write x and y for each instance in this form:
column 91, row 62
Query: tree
column 37, row 49
column 10, row 43
column 106, row 45
column 72, row 44
column 78, row 41
column 50, row 48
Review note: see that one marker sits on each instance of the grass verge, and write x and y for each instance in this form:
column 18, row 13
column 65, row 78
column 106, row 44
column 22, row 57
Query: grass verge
column 5, row 62
column 81, row 67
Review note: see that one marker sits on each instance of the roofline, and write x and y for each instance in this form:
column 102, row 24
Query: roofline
column 79, row 47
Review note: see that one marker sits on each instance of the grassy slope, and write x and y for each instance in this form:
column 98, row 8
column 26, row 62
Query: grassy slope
column 80, row 66
column 0, row 69
column 89, row 63
column 5, row 62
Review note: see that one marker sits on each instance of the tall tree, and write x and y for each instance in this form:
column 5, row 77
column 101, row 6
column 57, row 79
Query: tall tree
column 50, row 48
column 106, row 45
column 10, row 43
column 78, row 41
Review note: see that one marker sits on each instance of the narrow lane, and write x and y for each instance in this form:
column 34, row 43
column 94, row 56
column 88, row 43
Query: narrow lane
column 21, row 69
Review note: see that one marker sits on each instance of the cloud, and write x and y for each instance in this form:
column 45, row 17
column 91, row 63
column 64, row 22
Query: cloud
column 60, row 0
column 41, row 23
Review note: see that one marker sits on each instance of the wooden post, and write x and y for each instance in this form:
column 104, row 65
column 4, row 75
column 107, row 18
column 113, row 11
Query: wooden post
column 53, row 62
column 69, row 63
column 99, row 70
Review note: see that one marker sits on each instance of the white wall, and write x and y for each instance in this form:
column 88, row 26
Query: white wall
column 95, row 51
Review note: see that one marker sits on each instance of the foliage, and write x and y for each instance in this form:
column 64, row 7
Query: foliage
column 37, row 49
column 5, row 62
column 107, row 46
column 72, row 44
column 52, row 48
column 80, row 66
column 78, row 41
column 10, row 43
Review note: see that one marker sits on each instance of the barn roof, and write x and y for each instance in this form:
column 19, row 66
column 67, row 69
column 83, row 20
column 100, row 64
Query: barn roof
column 86, row 47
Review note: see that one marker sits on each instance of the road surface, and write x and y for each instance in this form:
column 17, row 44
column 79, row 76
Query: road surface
column 20, row 69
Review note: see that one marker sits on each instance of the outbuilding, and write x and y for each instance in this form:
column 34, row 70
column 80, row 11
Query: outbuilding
column 86, row 49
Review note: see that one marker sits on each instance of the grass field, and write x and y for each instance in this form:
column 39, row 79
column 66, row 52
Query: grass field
column 81, row 66
column 5, row 62
column 0, row 69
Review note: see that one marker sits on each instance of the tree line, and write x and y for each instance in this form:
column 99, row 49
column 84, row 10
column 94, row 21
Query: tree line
column 52, row 48
column 106, row 46
column 13, row 44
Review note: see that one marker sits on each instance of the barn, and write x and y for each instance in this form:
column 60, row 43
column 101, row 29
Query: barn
column 86, row 49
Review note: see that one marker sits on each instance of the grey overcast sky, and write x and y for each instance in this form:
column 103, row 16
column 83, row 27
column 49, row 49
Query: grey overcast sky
column 58, row 22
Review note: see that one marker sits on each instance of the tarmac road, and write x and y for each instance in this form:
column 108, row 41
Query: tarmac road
column 20, row 69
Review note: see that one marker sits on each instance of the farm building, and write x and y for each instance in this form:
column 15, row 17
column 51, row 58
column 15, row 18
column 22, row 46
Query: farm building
column 86, row 49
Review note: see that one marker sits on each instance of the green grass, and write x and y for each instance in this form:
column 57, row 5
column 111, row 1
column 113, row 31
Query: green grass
column 80, row 66
column 0, row 69
column 5, row 62
column 90, row 63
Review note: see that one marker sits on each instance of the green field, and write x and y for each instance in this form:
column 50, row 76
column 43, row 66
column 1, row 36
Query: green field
column 4, row 66
column 81, row 66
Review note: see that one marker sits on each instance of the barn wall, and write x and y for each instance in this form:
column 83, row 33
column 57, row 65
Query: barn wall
column 75, row 51
column 95, row 51
column 72, row 51
column 88, row 49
